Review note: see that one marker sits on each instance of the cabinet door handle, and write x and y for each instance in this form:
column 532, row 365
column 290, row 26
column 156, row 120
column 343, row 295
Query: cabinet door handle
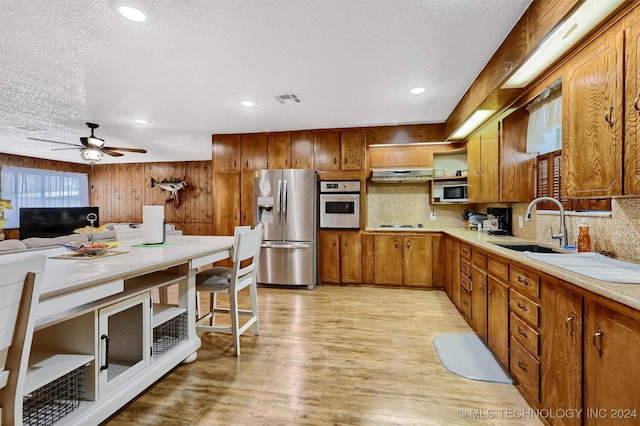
column 523, row 333
column 569, row 323
column 522, row 306
column 524, row 367
column 408, row 244
column 608, row 116
column 334, row 243
column 523, row 280
column 635, row 103
column 335, row 160
column 106, row 352
column 597, row 341
column 247, row 164
column 397, row 243
column 346, row 243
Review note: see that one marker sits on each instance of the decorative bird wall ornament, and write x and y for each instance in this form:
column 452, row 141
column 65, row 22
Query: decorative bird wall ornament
column 173, row 186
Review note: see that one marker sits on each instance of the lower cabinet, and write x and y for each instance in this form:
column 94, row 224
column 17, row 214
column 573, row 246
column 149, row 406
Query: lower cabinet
column 498, row 308
column 403, row 260
column 611, row 354
column 339, row 257
column 561, row 351
column 452, row 269
column 479, row 293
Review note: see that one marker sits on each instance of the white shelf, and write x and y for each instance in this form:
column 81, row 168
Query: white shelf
column 46, row 366
column 164, row 313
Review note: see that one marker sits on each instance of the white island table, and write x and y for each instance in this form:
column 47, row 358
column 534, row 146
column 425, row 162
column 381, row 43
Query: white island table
column 105, row 323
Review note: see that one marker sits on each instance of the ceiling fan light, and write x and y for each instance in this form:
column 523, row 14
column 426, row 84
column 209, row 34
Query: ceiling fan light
column 91, row 155
column 93, row 142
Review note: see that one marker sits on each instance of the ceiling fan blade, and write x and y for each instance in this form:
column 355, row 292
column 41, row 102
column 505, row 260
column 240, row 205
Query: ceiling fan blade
column 47, row 140
column 110, row 152
column 138, row 150
column 63, row 149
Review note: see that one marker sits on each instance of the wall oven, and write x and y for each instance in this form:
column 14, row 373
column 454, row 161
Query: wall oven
column 340, row 204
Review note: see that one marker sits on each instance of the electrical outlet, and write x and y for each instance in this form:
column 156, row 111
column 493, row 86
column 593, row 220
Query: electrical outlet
column 433, row 215
column 520, row 222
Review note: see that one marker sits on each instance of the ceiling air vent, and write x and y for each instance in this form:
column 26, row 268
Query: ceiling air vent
column 290, row 98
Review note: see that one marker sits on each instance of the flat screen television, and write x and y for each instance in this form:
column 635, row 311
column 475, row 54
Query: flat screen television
column 54, row 221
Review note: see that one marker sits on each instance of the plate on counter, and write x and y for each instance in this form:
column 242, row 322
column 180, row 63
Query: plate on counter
column 91, row 249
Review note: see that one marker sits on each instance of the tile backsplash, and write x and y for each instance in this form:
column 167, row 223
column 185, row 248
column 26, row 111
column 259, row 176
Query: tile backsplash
column 616, row 233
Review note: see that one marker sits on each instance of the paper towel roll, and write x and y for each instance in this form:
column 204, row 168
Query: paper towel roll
column 152, row 224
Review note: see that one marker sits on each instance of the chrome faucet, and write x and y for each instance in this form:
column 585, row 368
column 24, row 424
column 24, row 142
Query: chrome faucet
column 562, row 234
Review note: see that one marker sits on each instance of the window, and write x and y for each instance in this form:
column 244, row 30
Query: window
column 42, row 188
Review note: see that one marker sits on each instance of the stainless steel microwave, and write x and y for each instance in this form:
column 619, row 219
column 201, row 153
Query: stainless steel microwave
column 453, row 193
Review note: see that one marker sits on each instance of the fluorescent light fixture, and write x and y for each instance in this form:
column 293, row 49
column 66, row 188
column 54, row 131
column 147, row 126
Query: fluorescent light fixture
column 476, row 119
column 412, row 144
column 141, row 121
column 418, row 90
column 91, row 154
column 585, row 18
column 132, row 13
column 248, row 104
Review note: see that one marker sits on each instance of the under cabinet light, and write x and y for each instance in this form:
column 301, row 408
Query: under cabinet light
column 572, row 30
column 476, row 119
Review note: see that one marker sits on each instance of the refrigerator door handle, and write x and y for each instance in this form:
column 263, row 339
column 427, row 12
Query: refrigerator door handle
column 278, row 202
column 284, row 201
column 286, row 246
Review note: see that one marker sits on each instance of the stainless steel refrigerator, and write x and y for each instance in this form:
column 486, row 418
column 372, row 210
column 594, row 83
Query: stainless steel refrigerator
column 285, row 204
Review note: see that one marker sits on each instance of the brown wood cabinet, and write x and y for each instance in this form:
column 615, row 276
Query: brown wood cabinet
column 352, row 142
column 452, row 269
column 517, row 168
column 302, row 150
column 226, row 202
column 632, row 104
column 482, row 163
column 254, row 151
column 592, row 105
column 611, row 353
column 403, row 260
column 327, row 150
column 498, row 308
column 226, row 153
column 279, row 150
column 388, row 259
column 339, row 259
column 561, row 350
column 479, row 292
column 247, row 180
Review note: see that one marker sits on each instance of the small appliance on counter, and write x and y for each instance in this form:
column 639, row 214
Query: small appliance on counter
column 476, row 219
column 504, row 219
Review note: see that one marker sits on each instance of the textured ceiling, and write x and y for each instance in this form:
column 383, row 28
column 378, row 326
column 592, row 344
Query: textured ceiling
column 351, row 63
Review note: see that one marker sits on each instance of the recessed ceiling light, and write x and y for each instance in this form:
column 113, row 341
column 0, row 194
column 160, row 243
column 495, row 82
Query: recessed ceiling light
column 418, row 90
column 132, row 13
column 139, row 121
column 248, row 104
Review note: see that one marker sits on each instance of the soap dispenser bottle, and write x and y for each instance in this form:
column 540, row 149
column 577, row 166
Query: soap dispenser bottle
column 584, row 239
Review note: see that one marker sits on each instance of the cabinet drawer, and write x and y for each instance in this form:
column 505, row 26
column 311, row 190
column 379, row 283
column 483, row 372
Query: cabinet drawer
column 525, row 282
column 525, row 369
column 465, row 251
column 465, row 268
column 479, row 259
column 465, row 282
column 465, row 303
column 523, row 307
column 525, row 334
column 498, row 269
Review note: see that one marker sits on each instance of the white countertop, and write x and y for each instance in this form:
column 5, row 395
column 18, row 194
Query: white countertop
column 627, row 294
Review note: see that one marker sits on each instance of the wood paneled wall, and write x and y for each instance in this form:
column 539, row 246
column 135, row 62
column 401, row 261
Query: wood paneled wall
column 39, row 163
column 120, row 190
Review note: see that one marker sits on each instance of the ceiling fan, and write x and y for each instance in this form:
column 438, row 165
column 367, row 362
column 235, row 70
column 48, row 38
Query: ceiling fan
column 92, row 148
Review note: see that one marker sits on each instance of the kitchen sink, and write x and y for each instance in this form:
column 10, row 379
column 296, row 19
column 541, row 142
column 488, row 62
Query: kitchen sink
column 535, row 248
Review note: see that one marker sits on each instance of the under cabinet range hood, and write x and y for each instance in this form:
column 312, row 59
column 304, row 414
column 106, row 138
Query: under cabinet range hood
column 396, row 175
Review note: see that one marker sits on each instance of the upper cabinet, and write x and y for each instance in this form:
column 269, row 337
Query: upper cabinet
column 593, row 95
column 254, row 151
column 226, row 153
column 517, row 168
column 279, row 150
column 302, row 150
column 352, row 143
column 339, row 149
column 482, row 163
column 632, row 123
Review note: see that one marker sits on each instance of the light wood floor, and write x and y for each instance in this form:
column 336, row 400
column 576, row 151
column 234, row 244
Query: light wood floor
column 330, row 356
